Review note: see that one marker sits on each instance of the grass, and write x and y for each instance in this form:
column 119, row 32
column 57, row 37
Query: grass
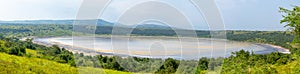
column 32, row 53
column 10, row 64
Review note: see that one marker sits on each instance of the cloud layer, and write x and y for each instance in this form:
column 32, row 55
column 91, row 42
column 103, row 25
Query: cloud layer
column 237, row 14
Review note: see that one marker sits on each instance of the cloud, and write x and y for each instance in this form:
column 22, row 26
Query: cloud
column 231, row 4
column 116, row 7
column 239, row 12
column 38, row 9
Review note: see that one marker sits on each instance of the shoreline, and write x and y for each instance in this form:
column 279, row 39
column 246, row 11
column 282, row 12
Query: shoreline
column 282, row 50
column 109, row 52
column 67, row 47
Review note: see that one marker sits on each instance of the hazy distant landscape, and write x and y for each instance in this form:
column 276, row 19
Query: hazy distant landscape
column 57, row 34
column 149, row 36
column 140, row 46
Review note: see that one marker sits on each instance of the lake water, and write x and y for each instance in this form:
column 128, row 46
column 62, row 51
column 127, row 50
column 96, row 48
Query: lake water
column 158, row 47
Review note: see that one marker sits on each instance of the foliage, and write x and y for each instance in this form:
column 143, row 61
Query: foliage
column 246, row 62
column 292, row 21
column 60, row 55
column 30, row 55
column 170, row 66
column 279, row 38
column 40, row 30
column 291, row 18
column 10, row 64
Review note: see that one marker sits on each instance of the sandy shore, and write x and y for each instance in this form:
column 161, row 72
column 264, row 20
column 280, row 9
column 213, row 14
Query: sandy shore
column 110, row 52
column 280, row 49
column 90, row 51
column 70, row 48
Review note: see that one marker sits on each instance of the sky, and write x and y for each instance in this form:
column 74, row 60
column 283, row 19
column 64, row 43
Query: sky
column 236, row 14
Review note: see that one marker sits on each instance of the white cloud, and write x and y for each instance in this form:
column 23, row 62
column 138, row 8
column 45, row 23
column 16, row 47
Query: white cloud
column 231, row 4
column 117, row 7
column 233, row 11
column 38, row 9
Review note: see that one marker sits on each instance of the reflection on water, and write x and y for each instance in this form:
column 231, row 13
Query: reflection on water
column 161, row 47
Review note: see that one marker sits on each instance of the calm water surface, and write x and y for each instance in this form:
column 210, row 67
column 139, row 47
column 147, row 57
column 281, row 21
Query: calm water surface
column 160, row 47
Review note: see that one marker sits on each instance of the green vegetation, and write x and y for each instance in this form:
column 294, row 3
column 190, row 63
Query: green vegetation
column 240, row 62
column 26, row 57
column 40, row 30
column 246, row 62
column 29, row 56
column 10, row 64
column 279, row 38
column 292, row 21
column 274, row 63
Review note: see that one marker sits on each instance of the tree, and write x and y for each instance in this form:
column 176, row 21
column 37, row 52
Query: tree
column 2, row 36
column 170, row 66
column 56, row 49
column 202, row 65
column 292, row 21
column 17, row 50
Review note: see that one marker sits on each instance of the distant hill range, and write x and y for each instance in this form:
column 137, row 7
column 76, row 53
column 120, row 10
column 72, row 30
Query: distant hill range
column 99, row 22
column 105, row 27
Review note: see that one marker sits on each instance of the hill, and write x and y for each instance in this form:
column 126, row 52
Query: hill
column 10, row 64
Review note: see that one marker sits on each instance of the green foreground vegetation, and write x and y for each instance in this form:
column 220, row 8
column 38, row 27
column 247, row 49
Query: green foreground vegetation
column 26, row 57
column 19, row 57
column 11, row 64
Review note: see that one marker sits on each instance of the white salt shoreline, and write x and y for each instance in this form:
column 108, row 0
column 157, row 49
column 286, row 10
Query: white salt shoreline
column 66, row 46
column 70, row 47
column 280, row 49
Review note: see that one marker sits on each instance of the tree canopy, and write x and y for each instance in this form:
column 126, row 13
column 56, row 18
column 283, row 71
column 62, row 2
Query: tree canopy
column 292, row 20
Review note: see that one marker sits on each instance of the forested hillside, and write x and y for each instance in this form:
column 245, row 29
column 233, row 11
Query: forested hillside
column 11, row 64
column 242, row 61
column 26, row 57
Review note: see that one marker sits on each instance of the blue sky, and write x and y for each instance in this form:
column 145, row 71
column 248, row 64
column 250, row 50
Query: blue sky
column 237, row 14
